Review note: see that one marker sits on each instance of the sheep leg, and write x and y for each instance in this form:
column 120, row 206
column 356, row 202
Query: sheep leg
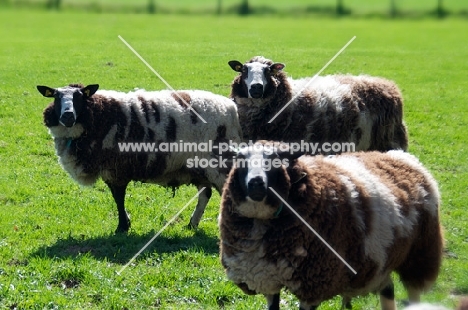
column 346, row 303
column 203, row 199
column 307, row 306
column 118, row 192
column 273, row 301
column 414, row 295
column 387, row 297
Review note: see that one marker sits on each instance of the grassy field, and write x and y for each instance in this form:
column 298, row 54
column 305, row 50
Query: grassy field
column 57, row 247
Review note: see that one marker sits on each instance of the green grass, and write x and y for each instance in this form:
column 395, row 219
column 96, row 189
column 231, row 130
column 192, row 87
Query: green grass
column 57, row 249
column 410, row 8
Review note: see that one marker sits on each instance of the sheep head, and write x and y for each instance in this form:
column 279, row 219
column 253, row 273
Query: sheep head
column 257, row 76
column 69, row 101
column 257, row 169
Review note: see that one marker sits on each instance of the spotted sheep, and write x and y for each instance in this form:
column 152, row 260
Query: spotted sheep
column 378, row 211
column 364, row 110
column 87, row 125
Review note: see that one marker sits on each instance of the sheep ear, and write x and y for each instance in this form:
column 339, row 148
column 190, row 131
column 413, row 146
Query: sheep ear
column 46, row 91
column 89, row 90
column 291, row 157
column 236, row 65
column 276, row 67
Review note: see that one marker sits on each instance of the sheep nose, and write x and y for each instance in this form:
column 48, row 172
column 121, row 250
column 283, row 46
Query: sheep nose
column 256, row 90
column 67, row 119
column 256, row 182
column 256, row 188
column 256, row 87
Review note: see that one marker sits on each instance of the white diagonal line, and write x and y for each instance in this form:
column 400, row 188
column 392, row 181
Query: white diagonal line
column 160, row 231
column 161, row 78
column 312, row 79
column 313, row 230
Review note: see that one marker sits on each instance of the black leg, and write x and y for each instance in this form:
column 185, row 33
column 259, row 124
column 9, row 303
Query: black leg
column 346, row 303
column 307, row 306
column 118, row 192
column 388, row 291
column 387, row 296
column 273, row 301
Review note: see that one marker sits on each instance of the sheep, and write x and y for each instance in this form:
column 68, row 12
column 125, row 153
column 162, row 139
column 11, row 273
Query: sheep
column 378, row 211
column 88, row 127
column 364, row 110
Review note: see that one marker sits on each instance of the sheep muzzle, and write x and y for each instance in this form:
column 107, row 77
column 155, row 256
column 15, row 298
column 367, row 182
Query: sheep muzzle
column 256, row 91
column 67, row 119
column 256, row 189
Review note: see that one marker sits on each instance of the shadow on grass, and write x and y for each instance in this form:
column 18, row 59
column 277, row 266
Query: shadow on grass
column 120, row 248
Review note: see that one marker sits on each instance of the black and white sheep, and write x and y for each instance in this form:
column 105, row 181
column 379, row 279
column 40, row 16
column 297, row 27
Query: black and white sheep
column 87, row 125
column 378, row 211
column 364, row 110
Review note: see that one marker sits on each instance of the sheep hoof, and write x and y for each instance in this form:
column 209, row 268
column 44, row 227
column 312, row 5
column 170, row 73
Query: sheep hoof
column 122, row 229
column 192, row 226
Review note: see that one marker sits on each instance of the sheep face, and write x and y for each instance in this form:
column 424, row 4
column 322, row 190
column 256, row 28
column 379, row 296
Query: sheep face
column 257, row 77
column 69, row 101
column 257, row 169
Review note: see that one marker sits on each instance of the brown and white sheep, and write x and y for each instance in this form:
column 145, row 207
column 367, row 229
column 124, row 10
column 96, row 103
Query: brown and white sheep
column 87, row 125
column 378, row 211
column 364, row 110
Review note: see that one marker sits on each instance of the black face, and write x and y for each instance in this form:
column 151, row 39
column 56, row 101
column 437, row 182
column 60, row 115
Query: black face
column 69, row 101
column 257, row 77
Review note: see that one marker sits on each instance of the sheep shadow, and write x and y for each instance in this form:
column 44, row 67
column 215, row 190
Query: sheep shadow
column 120, row 248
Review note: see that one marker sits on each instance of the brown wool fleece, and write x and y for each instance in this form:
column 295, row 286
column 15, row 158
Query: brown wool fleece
column 367, row 111
column 378, row 211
